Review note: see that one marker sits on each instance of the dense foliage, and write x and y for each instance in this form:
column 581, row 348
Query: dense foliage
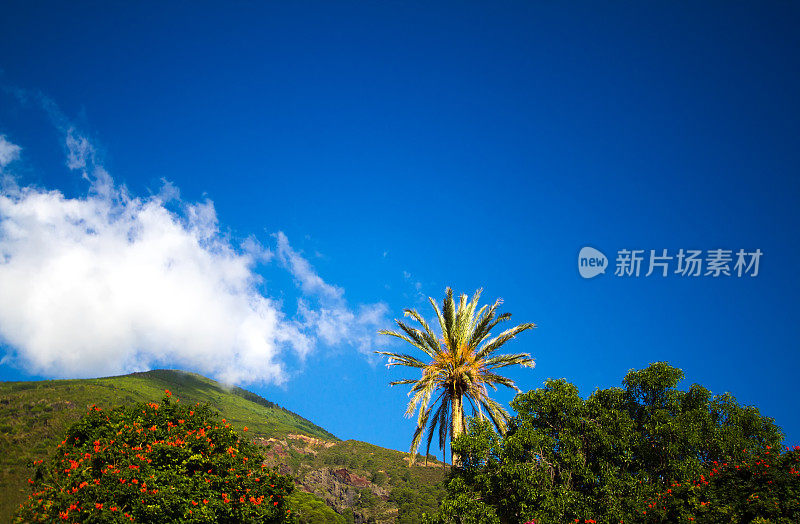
column 308, row 509
column 166, row 462
column 621, row 452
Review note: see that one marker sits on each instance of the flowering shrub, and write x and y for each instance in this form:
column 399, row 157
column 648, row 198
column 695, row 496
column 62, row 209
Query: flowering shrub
column 763, row 487
column 153, row 462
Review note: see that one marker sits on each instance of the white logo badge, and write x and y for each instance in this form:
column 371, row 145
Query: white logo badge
column 591, row 262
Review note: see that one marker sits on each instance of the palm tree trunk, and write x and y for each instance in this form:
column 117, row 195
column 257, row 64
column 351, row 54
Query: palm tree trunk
column 457, row 421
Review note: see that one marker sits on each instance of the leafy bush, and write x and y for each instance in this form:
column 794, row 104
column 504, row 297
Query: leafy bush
column 155, row 463
column 762, row 487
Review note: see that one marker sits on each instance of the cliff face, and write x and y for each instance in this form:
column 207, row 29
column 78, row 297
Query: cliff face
column 342, row 490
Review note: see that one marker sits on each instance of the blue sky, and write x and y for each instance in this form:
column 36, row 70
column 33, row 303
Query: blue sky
column 374, row 155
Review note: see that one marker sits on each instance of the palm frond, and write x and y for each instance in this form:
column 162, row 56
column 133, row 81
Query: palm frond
column 516, row 359
column 439, row 421
column 497, row 414
column 461, row 323
column 476, row 408
column 404, row 381
column 449, row 313
column 429, row 336
column 418, row 337
column 401, row 337
column 439, row 317
column 502, row 318
column 481, row 328
column 493, row 378
column 422, row 394
column 494, row 344
column 415, row 440
column 444, row 421
column 402, row 359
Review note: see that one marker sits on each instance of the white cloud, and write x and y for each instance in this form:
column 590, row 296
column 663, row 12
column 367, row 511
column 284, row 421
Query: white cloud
column 79, row 151
column 109, row 283
column 309, row 281
column 417, row 285
column 337, row 324
column 8, row 152
column 332, row 320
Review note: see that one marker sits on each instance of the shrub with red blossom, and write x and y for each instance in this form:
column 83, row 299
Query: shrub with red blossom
column 155, row 463
column 762, row 487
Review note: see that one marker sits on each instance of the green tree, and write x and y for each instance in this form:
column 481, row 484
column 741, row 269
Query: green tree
column 607, row 458
column 463, row 362
column 165, row 462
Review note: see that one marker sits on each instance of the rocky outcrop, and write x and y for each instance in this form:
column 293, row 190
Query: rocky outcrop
column 351, row 479
column 311, row 443
column 302, row 444
column 342, row 489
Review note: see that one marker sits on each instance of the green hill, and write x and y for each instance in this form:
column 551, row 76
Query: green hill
column 362, row 482
column 35, row 415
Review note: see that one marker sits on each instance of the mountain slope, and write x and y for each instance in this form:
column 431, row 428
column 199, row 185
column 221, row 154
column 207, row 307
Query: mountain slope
column 362, row 482
column 35, row 415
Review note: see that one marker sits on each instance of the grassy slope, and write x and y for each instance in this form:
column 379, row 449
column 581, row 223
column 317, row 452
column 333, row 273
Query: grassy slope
column 35, row 415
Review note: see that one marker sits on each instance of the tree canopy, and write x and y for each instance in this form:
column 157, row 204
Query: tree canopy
column 616, row 454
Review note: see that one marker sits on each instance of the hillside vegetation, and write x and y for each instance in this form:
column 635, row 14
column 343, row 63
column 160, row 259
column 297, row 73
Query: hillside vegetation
column 35, row 415
column 362, row 482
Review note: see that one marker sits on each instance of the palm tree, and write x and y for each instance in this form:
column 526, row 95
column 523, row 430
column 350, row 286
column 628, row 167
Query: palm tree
column 462, row 364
